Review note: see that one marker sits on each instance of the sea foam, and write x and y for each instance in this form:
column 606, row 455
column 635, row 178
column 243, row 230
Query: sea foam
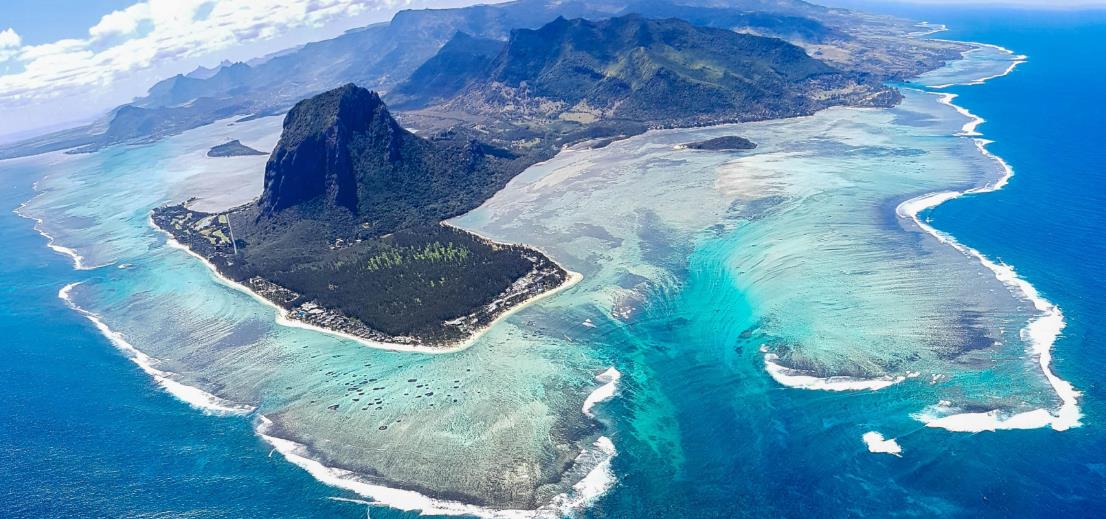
column 1014, row 62
column 594, row 484
column 877, row 444
column 597, row 481
column 799, row 380
column 610, row 379
column 51, row 243
column 1041, row 332
column 193, row 396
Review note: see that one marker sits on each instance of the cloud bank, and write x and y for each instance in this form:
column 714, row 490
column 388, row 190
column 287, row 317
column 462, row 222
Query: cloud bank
column 130, row 48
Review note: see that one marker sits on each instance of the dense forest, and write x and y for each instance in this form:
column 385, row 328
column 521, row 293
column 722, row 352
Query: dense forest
column 409, row 282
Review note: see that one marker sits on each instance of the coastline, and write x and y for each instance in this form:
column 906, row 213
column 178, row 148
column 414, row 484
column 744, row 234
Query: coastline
column 594, row 484
column 929, row 28
column 283, row 318
column 1018, row 59
column 400, row 499
column 1041, row 332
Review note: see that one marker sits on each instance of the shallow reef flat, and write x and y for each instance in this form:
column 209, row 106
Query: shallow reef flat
column 703, row 273
column 798, row 251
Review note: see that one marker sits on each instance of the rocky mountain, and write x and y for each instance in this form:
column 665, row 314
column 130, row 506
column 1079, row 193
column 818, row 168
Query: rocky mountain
column 760, row 18
column 347, row 234
column 662, row 72
column 233, row 148
column 342, row 151
column 384, row 55
column 202, row 72
column 227, row 80
column 462, row 60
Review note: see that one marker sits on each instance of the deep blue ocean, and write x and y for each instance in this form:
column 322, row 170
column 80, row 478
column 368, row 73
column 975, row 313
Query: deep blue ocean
column 85, row 433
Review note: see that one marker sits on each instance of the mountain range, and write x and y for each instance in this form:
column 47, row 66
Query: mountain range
column 383, row 56
column 657, row 72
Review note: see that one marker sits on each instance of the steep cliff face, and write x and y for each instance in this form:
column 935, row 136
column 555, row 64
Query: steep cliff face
column 348, row 222
column 313, row 160
column 343, row 154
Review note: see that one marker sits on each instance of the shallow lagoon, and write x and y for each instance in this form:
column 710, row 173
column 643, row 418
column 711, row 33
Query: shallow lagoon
column 693, row 262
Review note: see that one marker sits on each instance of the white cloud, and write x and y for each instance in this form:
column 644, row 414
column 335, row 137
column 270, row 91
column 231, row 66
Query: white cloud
column 9, row 39
column 174, row 32
column 129, row 48
column 122, row 22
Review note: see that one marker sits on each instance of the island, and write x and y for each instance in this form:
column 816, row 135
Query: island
column 726, row 143
column 233, row 148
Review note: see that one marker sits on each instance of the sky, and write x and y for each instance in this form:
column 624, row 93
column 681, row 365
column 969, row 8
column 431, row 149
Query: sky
column 64, row 63
column 67, row 62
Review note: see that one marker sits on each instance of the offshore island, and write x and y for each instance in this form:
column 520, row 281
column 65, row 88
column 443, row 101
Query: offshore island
column 727, row 143
column 233, row 148
column 347, row 234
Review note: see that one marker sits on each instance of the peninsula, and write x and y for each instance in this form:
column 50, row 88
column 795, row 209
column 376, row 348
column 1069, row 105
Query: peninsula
column 347, row 235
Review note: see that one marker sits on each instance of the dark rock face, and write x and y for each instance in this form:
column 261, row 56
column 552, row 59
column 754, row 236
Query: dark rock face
column 323, row 138
column 343, row 156
column 349, row 222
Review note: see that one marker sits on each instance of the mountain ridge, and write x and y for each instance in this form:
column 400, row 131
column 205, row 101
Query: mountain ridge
column 343, row 151
column 381, row 56
column 662, row 73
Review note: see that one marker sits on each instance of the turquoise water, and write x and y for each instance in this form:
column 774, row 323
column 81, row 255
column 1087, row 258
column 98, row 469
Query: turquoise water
column 729, row 290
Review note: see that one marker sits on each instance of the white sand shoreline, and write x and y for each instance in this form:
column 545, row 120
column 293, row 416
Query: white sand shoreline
column 283, row 316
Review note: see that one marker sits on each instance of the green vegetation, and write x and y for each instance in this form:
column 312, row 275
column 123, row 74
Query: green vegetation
column 410, row 282
column 346, row 232
column 630, row 68
column 728, row 142
column 347, row 227
column 394, row 257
